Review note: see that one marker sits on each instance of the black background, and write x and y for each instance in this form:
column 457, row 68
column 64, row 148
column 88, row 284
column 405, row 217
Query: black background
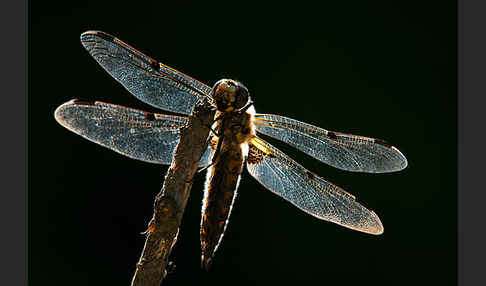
column 385, row 69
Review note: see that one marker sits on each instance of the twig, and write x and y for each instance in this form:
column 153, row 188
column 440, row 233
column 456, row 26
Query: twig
column 171, row 201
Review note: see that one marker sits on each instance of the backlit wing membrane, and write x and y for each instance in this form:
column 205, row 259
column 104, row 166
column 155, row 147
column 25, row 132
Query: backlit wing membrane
column 343, row 151
column 140, row 135
column 310, row 193
column 150, row 81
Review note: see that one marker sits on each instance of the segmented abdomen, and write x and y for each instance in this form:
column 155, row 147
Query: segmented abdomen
column 220, row 193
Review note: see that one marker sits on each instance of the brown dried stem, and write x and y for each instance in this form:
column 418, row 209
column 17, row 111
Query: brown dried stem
column 171, row 201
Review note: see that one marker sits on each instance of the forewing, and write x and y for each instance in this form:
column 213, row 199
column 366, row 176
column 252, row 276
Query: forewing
column 140, row 135
column 343, row 151
column 310, row 193
column 148, row 80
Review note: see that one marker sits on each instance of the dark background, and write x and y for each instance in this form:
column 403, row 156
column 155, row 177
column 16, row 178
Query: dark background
column 384, row 69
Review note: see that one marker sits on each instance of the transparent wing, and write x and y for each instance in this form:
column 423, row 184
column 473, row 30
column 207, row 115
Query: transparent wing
column 343, row 151
column 150, row 81
column 140, row 135
column 310, row 193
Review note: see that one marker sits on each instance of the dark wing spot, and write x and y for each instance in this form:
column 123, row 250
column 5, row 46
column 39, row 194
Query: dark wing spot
column 381, row 142
column 331, row 135
column 105, row 36
column 255, row 155
column 83, row 102
column 310, row 175
column 155, row 65
column 150, row 116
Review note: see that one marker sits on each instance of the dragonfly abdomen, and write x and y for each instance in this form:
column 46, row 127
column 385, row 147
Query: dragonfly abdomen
column 220, row 192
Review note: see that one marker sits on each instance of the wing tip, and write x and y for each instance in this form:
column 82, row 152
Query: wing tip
column 376, row 227
column 370, row 225
column 88, row 37
column 97, row 33
column 59, row 113
column 403, row 162
column 397, row 162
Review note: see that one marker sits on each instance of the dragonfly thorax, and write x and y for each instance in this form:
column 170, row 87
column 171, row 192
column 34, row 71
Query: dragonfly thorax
column 230, row 95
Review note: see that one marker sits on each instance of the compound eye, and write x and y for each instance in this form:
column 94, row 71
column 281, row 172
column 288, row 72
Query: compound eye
column 215, row 86
column 242, row 96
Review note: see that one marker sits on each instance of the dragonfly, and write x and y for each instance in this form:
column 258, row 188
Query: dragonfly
column 153, row 137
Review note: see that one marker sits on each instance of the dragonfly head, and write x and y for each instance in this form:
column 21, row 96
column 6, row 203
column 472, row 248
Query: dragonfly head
column 230, row 95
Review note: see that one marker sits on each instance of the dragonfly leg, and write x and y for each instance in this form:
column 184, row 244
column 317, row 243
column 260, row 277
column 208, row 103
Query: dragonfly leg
column 204, row 168
column 220, row 117
column 209, row 139
column 213, row 131
column 214, row 157
column 216, row 153
column 218, row 149
column 210, row 126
